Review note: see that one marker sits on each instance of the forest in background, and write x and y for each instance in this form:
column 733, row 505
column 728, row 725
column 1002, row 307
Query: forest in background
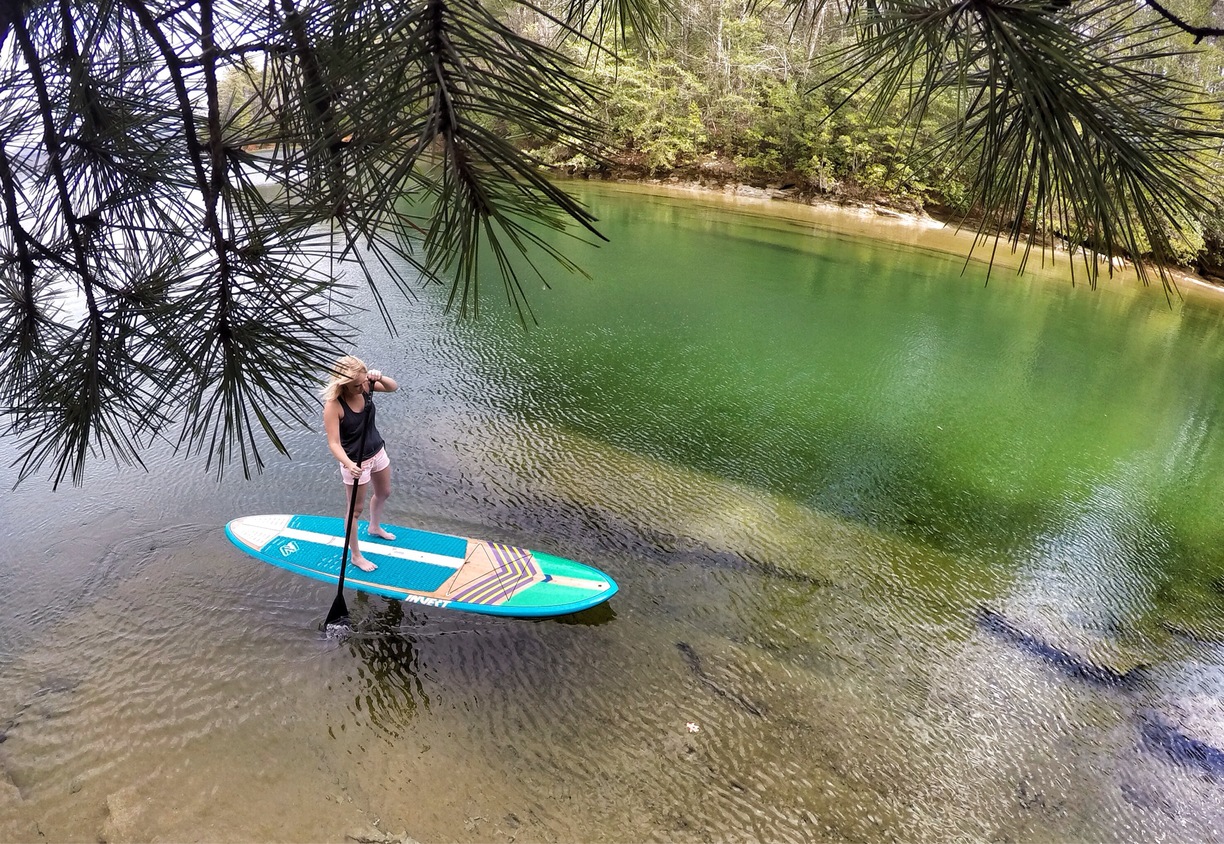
column 734, row 92
column 773, row 96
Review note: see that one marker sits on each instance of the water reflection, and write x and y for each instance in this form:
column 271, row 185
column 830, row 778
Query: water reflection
column 388, row 690
column 594, row 616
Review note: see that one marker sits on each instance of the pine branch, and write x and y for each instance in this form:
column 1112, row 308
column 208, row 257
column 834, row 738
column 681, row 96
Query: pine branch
column 1073, row 136
column 1199, row 32
column 319, row 100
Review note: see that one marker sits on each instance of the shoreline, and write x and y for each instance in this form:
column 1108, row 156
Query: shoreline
column 961, row 241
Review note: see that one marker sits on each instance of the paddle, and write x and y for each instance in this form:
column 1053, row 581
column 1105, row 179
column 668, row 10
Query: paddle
column 339, row 609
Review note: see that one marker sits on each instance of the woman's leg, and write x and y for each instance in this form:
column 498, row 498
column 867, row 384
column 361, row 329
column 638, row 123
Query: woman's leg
column 354, row 550
column 381, row 481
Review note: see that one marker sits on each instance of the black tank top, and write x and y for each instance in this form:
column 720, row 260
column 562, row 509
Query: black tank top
column 350, row 431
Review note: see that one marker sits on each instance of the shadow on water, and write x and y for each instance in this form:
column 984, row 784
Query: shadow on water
column 595, row 530
column 1160, row 735
column 593, row 617
column 697, row 667
column 1068, row 663
column 388, row 674
column 1190, row 635
column 1157, row 733
column 386, row 643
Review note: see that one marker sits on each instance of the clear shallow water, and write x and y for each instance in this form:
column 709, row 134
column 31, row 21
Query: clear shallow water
column 808, row 458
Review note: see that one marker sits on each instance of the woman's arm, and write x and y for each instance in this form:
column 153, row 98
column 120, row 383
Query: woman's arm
column 331, row 424
column 382, row 383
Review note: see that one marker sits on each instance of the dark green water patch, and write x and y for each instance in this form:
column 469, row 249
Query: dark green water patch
column 1018, row 419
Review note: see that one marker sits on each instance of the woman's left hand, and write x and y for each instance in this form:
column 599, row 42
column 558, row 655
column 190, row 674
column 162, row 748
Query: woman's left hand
column 381, row 383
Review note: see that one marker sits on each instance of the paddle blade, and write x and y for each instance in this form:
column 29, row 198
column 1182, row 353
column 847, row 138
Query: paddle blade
column 338, row 612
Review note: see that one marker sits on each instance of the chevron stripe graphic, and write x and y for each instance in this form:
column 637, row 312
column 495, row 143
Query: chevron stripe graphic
column 513, row 568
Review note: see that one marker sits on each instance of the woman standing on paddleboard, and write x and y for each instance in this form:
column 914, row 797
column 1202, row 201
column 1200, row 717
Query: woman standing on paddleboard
column 348, row 418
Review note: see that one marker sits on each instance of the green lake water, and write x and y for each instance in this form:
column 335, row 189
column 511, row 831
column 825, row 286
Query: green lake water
column 903, row 555
column 1010, row 422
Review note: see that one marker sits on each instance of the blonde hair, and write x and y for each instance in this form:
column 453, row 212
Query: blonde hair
column 341, row 376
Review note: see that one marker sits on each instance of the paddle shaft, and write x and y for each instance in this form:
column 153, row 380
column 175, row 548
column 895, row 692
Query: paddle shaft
column 339, row 609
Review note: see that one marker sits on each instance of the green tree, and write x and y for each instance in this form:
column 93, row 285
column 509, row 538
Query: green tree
column 1069, row 124
column 142, row 277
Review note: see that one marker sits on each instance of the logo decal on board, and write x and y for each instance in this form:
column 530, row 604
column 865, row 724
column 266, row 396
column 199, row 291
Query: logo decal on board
column 288, row 548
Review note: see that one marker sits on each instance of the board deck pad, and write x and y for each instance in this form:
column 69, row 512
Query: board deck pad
column 431, row 569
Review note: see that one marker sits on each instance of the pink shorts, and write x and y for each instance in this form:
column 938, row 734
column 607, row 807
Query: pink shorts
column 370, row 465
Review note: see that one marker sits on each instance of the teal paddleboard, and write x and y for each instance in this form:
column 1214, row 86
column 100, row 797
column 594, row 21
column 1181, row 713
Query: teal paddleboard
column 428, row 569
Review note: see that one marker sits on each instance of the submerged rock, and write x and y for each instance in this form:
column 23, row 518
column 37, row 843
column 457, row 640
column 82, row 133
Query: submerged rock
column 1158, row 734
column 374, row 835
column 1070, row 664
column 14, row 827
column 124, row 811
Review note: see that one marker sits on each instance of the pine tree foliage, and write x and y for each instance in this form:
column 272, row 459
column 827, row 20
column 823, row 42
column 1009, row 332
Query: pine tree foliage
column 1068, row 118
column 143, row 274
column 149, row 285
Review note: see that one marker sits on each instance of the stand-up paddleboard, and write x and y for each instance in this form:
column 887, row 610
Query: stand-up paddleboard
column 431, row 569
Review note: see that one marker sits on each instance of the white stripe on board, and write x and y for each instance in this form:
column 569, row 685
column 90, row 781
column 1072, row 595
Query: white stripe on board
column 578, row 582
column 368, row 547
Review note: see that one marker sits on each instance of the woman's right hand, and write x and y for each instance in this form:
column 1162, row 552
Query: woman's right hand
column 353, row 469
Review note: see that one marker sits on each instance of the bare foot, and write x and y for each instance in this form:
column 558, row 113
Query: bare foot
column 363, row 564
column 376, row 530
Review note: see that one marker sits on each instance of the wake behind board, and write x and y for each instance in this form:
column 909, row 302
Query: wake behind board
column 430, row 569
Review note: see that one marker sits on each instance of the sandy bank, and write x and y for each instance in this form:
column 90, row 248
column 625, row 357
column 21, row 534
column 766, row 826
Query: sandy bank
column 916, row 229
